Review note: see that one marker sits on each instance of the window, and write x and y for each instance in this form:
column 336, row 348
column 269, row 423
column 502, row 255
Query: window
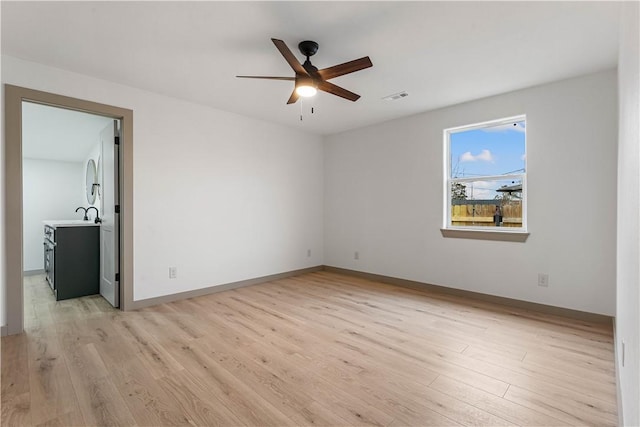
column 486, row 176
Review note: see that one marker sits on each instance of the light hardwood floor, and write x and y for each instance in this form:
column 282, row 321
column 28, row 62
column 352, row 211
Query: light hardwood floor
column 318, row 349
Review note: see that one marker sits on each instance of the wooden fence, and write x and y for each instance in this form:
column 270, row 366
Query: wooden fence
column 481, row 214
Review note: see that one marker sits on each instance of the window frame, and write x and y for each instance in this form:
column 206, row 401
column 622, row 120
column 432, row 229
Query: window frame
column 483, row 232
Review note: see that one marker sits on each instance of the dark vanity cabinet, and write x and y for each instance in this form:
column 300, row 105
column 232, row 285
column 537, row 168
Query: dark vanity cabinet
column 72, row 260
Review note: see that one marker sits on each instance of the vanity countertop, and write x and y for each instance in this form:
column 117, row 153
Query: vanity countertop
column 55, row 223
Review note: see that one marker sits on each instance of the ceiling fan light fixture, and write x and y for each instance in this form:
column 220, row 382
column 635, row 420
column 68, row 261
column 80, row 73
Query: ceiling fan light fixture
column 306, row 90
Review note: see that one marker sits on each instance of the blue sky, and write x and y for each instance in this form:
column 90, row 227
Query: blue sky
column 488, row 151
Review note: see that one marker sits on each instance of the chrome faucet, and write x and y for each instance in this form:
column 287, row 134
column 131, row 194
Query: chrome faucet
column 86, row 218
column 97, row 220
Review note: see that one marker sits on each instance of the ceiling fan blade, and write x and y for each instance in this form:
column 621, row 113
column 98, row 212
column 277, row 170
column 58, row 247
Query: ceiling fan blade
column 293, row 98
column 338, row 91
column 346, row 68
column 289, row 57
column 267, row 77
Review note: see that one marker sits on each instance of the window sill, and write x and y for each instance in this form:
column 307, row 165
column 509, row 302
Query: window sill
column 504, row 236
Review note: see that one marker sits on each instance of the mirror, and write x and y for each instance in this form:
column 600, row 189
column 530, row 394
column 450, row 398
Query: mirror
column 99, row 176
column 91, row 182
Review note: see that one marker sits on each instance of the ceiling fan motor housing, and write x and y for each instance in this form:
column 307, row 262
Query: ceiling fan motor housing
column 308, row 48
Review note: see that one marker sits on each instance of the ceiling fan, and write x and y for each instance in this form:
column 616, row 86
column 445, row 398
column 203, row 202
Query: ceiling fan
column 309, row 79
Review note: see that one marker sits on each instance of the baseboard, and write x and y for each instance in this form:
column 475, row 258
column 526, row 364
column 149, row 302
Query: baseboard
column 510, row 302
column 532, row 306
column 221, row 288
column 32, row 272
column 3, row 331
column 617, row 370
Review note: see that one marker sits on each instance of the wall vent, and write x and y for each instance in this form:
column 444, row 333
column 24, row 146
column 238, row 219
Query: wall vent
column 395, row 96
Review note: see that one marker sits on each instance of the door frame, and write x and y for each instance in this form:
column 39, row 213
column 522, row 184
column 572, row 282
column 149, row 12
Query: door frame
column 13, row 262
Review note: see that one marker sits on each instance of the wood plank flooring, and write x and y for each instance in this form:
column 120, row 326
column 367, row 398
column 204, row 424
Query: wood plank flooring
column 317, row 349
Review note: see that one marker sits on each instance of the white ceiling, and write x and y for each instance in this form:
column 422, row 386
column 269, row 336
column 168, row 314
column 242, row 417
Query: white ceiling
column 441, row 53
column 57, row 134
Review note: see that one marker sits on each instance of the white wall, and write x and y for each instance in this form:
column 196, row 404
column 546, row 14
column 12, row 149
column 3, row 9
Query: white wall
column 51, row 191
column 220, row 196
column 384, row 192
column 628, row 269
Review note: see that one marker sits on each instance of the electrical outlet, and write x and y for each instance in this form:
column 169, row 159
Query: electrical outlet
column 308, row 253
column 173, row 272
column 543, row 280
column 622, row 354
column 356, row 255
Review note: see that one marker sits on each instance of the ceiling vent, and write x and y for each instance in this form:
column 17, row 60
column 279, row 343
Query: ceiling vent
column 395, row 96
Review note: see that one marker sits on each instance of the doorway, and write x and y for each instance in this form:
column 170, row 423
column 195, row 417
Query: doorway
column 14, row 239
column 70, row 188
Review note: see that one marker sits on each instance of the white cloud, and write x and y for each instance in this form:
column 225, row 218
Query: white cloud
column 484, row 155
column 467, row 157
